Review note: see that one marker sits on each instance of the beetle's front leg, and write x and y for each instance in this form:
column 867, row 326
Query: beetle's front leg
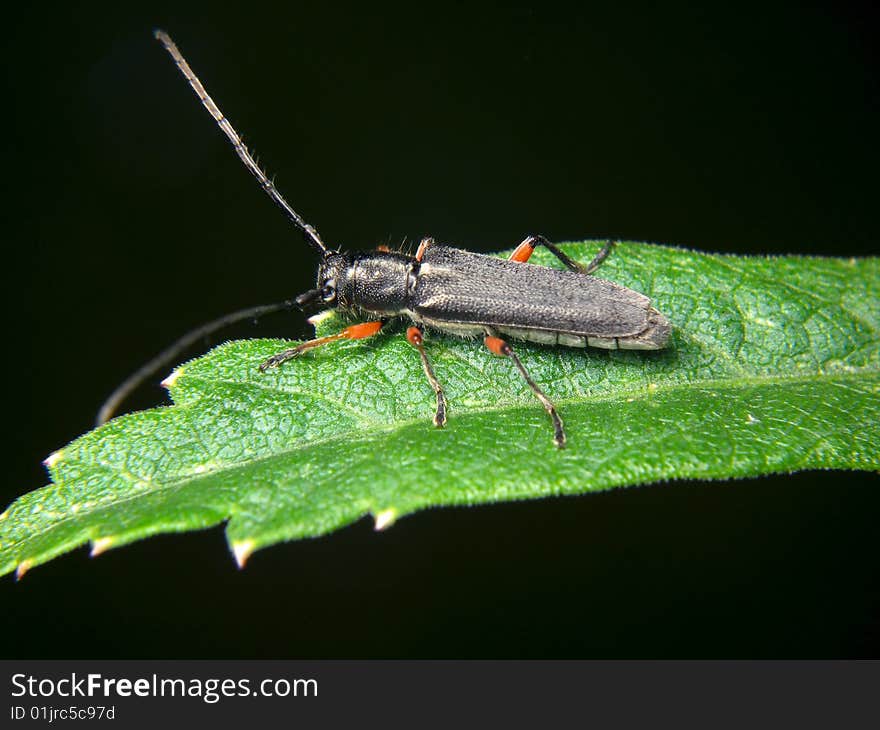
column 415, row 337
column 524, row 251
column 355, row 332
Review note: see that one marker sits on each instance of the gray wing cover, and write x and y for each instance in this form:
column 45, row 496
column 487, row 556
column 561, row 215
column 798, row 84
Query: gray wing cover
column 459, row 286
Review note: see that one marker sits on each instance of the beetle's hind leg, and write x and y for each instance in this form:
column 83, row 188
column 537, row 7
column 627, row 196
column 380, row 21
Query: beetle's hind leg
column 523, row 252
column 415, row 337
column 501, row 347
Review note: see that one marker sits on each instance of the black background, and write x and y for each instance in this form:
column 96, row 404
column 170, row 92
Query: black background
column 128, row 220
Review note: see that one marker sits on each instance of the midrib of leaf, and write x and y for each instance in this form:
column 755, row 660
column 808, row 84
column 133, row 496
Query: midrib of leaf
column 619, row 396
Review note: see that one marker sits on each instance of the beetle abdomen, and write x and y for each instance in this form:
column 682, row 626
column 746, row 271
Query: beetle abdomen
column 654, row 337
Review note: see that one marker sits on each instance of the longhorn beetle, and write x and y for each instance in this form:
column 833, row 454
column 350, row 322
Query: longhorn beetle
column 446, row 289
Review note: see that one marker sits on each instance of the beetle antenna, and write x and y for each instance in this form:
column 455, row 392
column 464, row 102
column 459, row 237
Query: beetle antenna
column 250, row 163
column 169, row 354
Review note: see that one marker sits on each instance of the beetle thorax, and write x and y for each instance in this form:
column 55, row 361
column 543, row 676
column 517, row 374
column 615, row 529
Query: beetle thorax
column 376, row 281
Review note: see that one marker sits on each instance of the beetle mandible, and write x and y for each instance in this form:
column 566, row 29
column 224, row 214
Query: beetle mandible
column 446, row 289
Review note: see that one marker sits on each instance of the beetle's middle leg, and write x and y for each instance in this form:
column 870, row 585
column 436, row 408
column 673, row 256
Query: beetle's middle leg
column 523, row 252
column 501, row 347
column 355, row 332
column 415, row 337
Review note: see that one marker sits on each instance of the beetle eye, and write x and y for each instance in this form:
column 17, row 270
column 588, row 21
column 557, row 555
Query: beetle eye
column 328, row 292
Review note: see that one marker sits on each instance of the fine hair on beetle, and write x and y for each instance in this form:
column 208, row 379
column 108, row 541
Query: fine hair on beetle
column 441, row 288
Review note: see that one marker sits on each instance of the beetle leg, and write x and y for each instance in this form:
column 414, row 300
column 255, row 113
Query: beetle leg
column 355, row 332
column 414, row 336
column 523, row 252
column 423, row 246
column 600, row 257
column 500, row 347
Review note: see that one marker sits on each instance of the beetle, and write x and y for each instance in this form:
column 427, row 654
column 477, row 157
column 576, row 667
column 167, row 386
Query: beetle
column 447, row 289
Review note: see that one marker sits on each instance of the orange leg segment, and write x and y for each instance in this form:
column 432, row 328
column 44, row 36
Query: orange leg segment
column 524, row 251
column 355, row 332
column 423, row 246
column 497, row 346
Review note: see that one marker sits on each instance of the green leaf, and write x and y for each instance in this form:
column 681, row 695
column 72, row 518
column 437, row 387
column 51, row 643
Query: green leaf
column 773, row 367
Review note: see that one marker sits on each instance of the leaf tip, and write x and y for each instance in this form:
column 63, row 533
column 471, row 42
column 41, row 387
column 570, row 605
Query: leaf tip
column 242, row 550
column 4, row 515
column 53, row 458
column 385, row 519
column 101, row 545
column 23, row 567
column 171, row 379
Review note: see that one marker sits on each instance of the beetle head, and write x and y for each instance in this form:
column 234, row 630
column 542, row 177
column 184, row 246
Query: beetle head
column 333, row 273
